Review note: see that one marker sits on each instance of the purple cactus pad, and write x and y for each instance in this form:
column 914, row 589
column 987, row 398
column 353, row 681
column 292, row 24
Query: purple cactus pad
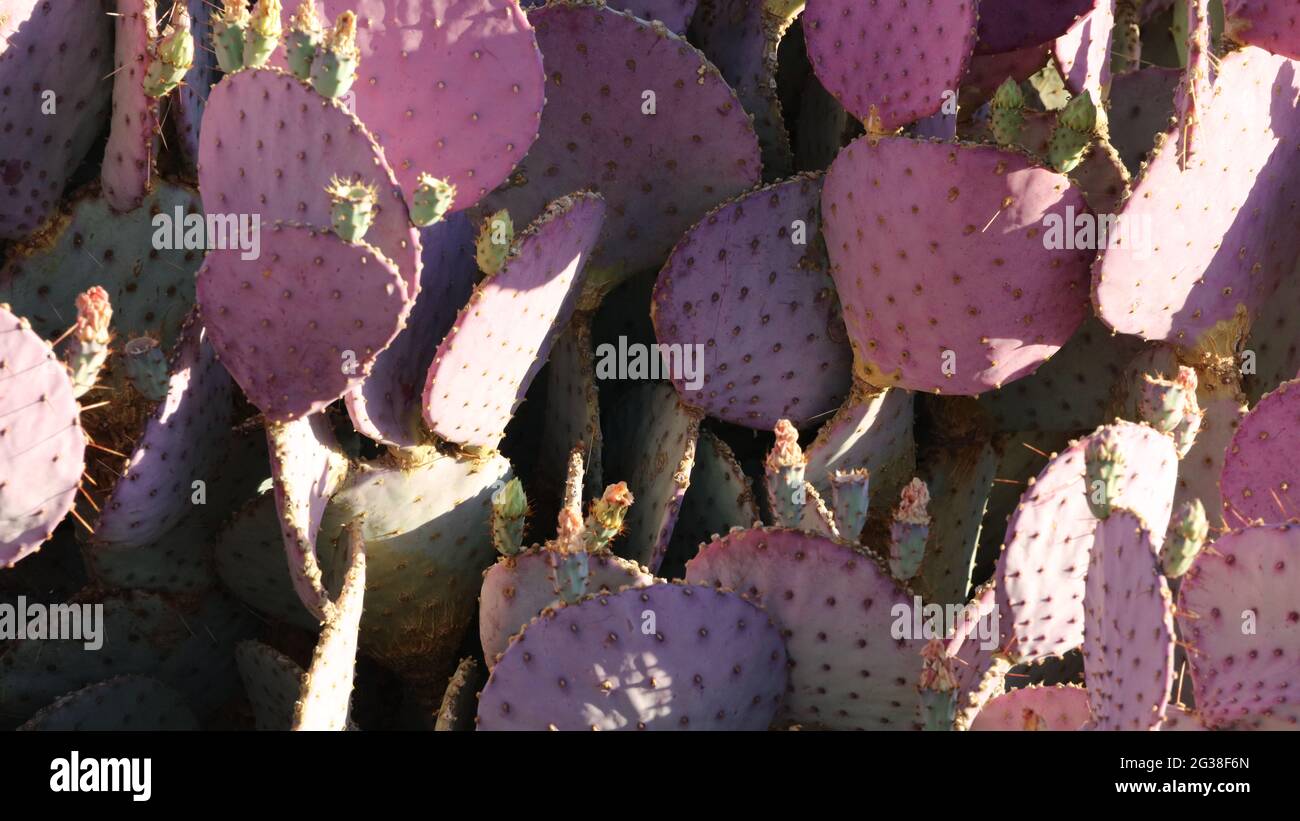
column 1260, row 479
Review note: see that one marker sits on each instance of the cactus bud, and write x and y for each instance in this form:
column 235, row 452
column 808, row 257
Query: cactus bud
column 1007, row 115
column 305, row 36
column 938, row 687
column 87, row 347
column 1103, row 464
column 1171, row 407
column 509, row 509
column 352, row 207
column 492, row 247
column 263, row 33
column 909, row 530
column 605, row 521
column 849, row 499
column 784, row 469
column 146, row 368
column 228, row 29
column 569, row 561
column 335, row 65
column 1076, row 125
column 172, row 55
column 1187, row 533
column 432, row 200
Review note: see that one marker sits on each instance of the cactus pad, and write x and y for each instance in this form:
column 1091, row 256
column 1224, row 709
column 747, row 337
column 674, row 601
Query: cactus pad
column 1082, row 53
column 1061, row 707
column 1260, row 478
column 125, row 703
column 719, row 498
column 872, row 430
column 1271, row 26
column 272, row 682
column 1005, row 25
column 129, row 155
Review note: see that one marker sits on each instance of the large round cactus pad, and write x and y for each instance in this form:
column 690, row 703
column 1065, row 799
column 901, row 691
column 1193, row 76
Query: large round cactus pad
column 517, row 589
column 132, row 703
column 1261, row 479
column 485, row 364
column 42, row 445
column 665, row 657
column 270, row 145
column 1220, row 232
column 892, row 60
column 129, row 155
column 302, row 324
column 1269, row 24
column 1049, row 539
column 59, row 46
column 1061, row 707
column 182, row 441
column 1237, row 611
column 836, row 606
column 149, row 279
column 1128, row 628
column 745, row 299
column 963, row 310
column 658, row 172
column 387, row 407
column 1005, row 25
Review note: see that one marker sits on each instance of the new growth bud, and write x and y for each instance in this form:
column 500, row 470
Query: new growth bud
column 1103, row 463
column 172, row 56
column 492, row 246
column 304, row 38
column 335, row 66
column 263, row 33
column 88, row 344
column 1076, row 126
column 909, row 530
column 509, row 510
column 352, row 207
column 228, row 29
column 1187, row 533
column 432, row 200
column 784, row 469
column 1007, row 112
column 605, row 520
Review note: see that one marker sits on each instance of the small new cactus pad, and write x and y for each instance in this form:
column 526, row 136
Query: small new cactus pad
column 668, row 656
column 182, row 442
column 431, row 199
column 837, row 608
column 270, row 146
column 1059, row 707
column 1140, row 107
column 386, row 407
column 962, row 322
column 1006, row 25
column 651, row 445
column 126, row 703
column 1213, row 258
column 249, row 554
column 783, row 475
column 1049, row 537
column 483, row 367
column 42, row 445
column 334, row 66
column 1261, row 479
column 172, row 56
column 1104, row 471
column 634, row 111
column 87, row 347
column 746, row 302
column 1188, row 530
column 302, row 325
column 265, row 26
column 326, row 699
column 229, row 28
column 889, row 63
column 143, row 262
column 272, row 682
column 308, row 467
column 518, row 588
column 352, row 207
column 496, row 235
column 909, row 530
column 425, row 526
column 1128, row 627
column 1271, row 26
column 1007, row 113
column 1237, row 612
column 460, row 700
column 872, row 430
column 1083, row 53
column 719, row 498
column 509, row 511
column 129, row 154
column 54, row 56
column 741, row 38
column 303, row 38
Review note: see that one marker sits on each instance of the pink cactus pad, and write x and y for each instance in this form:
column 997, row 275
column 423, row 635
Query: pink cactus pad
column 669, row 656
column 308, row 467
column 637, row 114
column 484, row 366
column 651, row 438
column 1049, row 538
column 988, row 71
column 1232, row 248
column 1082, row 53
column 1059, row 707
column 42, row 445
column 1179, row 719
column 1261, row 480
column 1270, row 25
column 753, row 304
column 255, row 157
column 1005, row 25
column 517, row 589
column 466, row 73
column 1141, row 106
column 1128, row 628
column 1237, row 611
column 871, row 430
column 63, row 46
column 893, row 60
column 301, row 325
column 386, row 407
column 964, row 310
column 183, row 441
column 129, row 155
column 835, row 605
